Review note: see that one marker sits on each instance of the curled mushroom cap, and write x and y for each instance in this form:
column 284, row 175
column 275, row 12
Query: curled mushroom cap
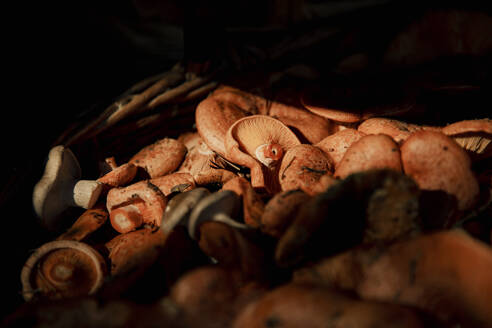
column 302, row 167
column 436, row 162
column 60, row 187
column 160, row 158
column 474, row 136
column 63, row 269
column 259, row 142
column 372, row 151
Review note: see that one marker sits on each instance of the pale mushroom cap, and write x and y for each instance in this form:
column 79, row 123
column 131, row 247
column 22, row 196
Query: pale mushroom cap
column 251, row 132
column 475, row 136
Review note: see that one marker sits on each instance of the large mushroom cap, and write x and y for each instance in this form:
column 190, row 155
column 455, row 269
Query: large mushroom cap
column 61, row 269
column 60, row 187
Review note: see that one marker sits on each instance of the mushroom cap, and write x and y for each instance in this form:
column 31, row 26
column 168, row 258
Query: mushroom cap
column 474, row 136
column 336, row 145
column 253, row 131
column 221, row 206
column 179, row 207
column 61, row 269
column 354, row 103
column 60, row 188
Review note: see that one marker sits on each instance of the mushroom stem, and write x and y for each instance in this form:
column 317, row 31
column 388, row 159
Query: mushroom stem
column 269, row 154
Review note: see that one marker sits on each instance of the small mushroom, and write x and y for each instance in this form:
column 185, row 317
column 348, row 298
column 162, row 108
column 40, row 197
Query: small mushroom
column 63, row 269
column 372, row 151
column 91, row 220
column 474, row 136
column 160, row 158
column 133, row 205
column 179, row 208
column 336, row 145
column 60, row 187
column 119, row 175
column 436, row 162
column 302, row 167
column 199, row 162
column 221, row 206
column 259, row 142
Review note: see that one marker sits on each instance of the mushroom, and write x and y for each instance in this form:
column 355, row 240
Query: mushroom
column 221, row 206
column 230, row 243
column 280, row 210
column 302, row 167
column 160, row 158
column 372, row 151
column 199, row 162
column 259, row 142
column 179, row 208
column 308, row 127
column 251, row 202
column 472, row 135
column 91, row 220
column 398, row 130
column 336, row 145
column 60, row 187
column 436, row 162
column 63, row 269
column 131, row 206
column 119, row 175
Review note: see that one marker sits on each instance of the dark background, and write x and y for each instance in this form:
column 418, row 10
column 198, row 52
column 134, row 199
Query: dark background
column 67, row 60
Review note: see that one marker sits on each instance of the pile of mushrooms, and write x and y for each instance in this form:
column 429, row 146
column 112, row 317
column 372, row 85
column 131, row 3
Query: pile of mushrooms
column 218, row 220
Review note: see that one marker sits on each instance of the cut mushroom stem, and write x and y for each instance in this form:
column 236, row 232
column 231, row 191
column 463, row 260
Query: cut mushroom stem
column 61, row 187
column 62, row 269
column 259, row 142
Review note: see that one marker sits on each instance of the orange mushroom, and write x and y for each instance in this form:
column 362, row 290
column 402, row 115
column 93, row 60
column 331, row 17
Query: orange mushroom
column 474, row 136
column 160, row 158
column 370, row 152
column 302, row 167
column 259, row 142
column 336, row 145
column 133, row 205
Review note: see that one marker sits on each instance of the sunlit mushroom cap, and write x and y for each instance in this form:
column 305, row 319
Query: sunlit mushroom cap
column 253, row 131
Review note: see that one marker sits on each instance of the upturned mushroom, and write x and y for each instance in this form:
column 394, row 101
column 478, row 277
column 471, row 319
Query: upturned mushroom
column 436, row 162
column 251, row 202
column 131, row 206
column 61, row 187
column 302, row 166
column 336, row 144
column 63, row 269
column 474, row 136
column 259, row 142
column 372, row 151
column 160, row 158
